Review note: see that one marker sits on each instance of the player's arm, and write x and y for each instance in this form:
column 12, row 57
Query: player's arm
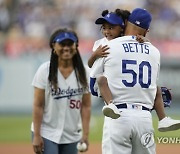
column 104, row 89
column 85, row 115
column 101, row 51
column 38, row 107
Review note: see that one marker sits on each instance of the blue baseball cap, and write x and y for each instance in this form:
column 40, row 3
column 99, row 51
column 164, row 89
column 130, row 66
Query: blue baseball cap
column 65, row 36
column 141, row 18
column 111, row 18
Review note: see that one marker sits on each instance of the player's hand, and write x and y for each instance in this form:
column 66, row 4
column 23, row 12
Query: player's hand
column 38, row 145
column 101, row 51
column 141, row 39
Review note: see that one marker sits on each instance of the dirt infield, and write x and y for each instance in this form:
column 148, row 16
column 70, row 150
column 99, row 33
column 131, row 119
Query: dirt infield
column 93, row 149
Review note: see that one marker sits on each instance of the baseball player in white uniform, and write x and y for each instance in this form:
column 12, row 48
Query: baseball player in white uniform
column 132, row 70
column 61, row 109
column 112, row 25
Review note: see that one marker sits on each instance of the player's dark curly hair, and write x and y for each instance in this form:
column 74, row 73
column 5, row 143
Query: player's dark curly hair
column 77, row 63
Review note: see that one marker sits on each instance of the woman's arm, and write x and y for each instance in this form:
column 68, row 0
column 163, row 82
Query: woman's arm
column 38, row 108
column 85, row 115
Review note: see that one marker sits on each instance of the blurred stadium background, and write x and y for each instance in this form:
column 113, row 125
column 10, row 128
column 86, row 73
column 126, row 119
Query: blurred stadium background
column 25, row 27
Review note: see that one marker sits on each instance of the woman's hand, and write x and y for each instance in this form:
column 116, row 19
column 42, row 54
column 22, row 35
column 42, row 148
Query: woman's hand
column 38, row 145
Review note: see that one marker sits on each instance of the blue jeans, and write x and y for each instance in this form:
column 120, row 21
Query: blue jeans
column 54, row 148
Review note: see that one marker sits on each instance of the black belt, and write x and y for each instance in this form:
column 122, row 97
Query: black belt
column 124, row 105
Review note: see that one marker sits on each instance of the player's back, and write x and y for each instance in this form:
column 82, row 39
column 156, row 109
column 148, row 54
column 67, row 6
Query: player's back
column 132, row 70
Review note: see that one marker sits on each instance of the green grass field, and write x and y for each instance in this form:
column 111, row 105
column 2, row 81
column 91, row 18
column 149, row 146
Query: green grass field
column 16, row 129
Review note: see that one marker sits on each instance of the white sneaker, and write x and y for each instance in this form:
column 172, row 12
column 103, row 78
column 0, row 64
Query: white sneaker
column 111, row 111
column 168, row 124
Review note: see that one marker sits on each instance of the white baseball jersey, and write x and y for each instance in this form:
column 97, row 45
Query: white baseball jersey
column 131, row 69
column 61, row 118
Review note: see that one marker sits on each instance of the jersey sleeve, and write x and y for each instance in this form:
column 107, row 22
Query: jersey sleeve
column 99, row 42
column 40, row 78
column 96, row 45
column 98, row 68
column 96, row 71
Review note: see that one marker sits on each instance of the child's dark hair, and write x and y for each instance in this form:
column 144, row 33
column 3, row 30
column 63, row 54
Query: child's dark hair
column 124, row 14
column 104, row 12
column 77, row 63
